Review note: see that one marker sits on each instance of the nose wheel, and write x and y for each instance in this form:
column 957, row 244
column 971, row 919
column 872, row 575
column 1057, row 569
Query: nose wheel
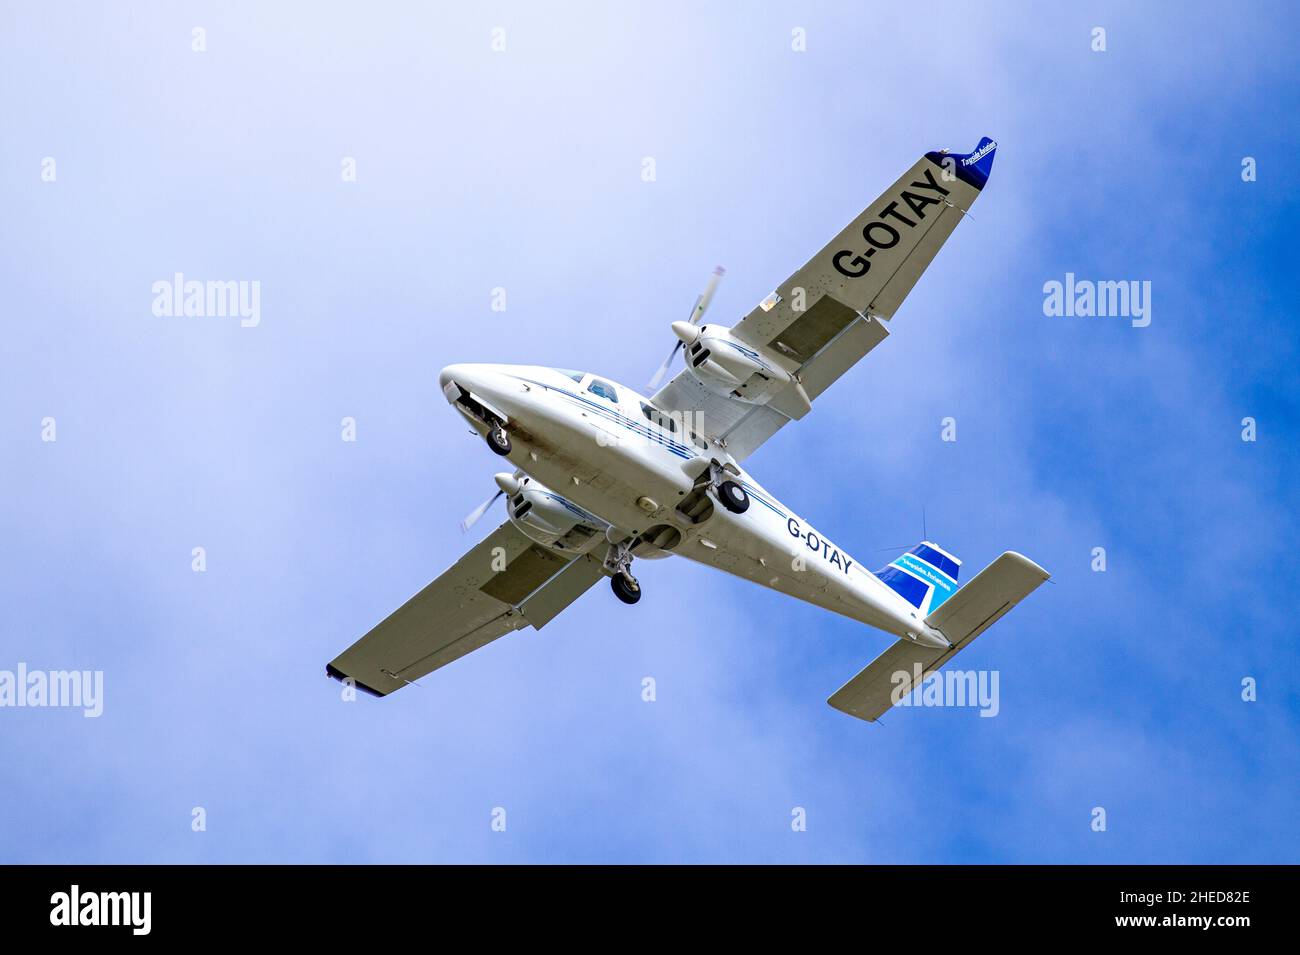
column 618, row 562
column 498, row 440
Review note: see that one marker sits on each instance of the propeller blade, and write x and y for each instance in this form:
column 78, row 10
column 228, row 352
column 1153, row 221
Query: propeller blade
column 697, row 312
column 663, row 369
column 702, row 303
column 472, row 517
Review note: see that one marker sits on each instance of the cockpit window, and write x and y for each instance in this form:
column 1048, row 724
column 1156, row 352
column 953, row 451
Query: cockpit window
column 604, row 389
column 575, row 375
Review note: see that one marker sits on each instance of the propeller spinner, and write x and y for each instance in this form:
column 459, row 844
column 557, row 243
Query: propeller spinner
column 689, row 330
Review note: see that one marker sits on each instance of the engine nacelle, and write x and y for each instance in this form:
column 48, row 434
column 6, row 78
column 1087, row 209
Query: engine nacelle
column 727, row 365
column 546, row 517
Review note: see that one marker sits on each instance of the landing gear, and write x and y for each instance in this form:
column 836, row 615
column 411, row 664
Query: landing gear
column 618, row 561
column 733, row 497
column 498, row 440
column 625, row 588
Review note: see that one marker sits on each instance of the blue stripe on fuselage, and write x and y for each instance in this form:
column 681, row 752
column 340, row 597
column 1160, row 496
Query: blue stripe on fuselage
column 612, row 415
column 749, row 488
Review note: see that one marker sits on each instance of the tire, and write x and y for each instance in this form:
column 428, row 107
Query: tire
column 733, row 497
column 625, row 589
column 498, row 441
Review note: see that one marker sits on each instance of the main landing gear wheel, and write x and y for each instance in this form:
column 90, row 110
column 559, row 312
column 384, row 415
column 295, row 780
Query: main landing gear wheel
column 499, row 441
column 625, row 588
column 733, row 497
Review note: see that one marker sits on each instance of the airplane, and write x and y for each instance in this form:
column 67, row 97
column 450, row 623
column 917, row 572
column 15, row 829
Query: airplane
column 604, row 475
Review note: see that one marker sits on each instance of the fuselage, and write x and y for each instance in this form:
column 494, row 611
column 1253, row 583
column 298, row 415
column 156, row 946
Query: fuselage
column 607, row 449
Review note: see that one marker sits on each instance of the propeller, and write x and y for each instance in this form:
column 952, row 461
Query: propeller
column 472, row 517
column 506, row 483
column 682, row 329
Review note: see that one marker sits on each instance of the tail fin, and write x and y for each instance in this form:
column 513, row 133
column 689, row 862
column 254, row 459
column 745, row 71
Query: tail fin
column 900, row 669
column 926, row 576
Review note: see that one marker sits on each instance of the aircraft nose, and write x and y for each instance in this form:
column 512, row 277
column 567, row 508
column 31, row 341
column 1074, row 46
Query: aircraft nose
column 462, row 375
column 485, row 382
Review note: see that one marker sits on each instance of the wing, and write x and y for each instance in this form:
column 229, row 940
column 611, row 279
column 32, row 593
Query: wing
column 830, row 313
column 505, row 583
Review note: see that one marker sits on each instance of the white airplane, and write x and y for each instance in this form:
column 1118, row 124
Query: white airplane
column 604, row 475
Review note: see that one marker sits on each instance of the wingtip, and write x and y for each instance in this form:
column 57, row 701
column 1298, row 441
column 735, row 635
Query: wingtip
column 1028, row 564
column 973, row 167
column 334, row 673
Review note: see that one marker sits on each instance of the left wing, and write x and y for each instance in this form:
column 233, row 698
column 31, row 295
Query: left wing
column 830, row 313
column 505, row 583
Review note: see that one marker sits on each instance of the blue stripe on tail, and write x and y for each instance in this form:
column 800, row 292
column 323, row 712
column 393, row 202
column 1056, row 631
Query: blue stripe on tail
column 925, row 576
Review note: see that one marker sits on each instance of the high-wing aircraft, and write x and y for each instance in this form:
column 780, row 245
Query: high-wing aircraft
column 604, row 475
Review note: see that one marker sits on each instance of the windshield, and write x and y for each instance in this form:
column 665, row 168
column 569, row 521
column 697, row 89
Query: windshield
column 604, row 389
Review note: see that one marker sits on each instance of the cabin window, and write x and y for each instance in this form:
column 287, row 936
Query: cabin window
column 604, row 389
column 658, row 417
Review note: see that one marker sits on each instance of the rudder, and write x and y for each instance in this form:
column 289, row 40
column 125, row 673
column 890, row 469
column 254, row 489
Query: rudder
column 926, row 576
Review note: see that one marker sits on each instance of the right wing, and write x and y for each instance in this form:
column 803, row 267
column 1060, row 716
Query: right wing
column 871, row 266
column 505, row 583
column 964, row 616
column 826, row 316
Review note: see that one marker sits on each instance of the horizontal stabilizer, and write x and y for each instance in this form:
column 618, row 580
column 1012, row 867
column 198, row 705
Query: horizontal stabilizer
column 890, row 677
column 886, row 680
column 993, row 591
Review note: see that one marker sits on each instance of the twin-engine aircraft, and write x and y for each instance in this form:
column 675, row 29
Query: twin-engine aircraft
column 603, row 475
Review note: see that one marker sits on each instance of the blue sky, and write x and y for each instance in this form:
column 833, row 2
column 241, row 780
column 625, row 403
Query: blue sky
column 522, row 170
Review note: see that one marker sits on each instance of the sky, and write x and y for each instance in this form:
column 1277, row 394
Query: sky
column 503, row 146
